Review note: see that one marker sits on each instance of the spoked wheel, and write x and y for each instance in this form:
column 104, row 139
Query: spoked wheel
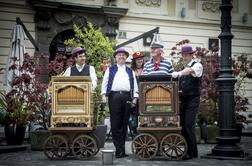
column 84, row 147
column 97, row 140
column 173, row 146
column 145, row 146
column 56, row 147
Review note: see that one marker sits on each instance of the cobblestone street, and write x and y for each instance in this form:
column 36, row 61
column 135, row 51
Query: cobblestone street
column 37, row 158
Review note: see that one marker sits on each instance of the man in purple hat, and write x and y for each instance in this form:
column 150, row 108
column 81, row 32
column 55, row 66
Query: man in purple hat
column 81, row 68
column 119, row 86
column 189, row 84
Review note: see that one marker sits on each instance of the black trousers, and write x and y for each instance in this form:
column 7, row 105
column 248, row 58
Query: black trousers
column 188, row 110
column 119, row 118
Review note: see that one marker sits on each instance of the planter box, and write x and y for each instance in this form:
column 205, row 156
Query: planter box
column 100, row 134
column 37, row 139
column 14, row 135
column 198, row 135
column 212, row 132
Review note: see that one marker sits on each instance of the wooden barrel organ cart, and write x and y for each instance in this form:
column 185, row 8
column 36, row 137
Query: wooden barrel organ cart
column 158, row 122
column 71, row 119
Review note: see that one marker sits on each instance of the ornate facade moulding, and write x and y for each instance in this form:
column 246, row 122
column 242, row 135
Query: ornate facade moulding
column 149, row 3
column 67, row 14
column 211, row 6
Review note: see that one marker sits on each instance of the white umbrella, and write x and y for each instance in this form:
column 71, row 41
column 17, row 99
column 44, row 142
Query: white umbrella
column 17, row 50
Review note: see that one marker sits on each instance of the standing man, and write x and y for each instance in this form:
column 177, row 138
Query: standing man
column 189, row 84
column 81, row 68
column 119, row 85
column 158, row 64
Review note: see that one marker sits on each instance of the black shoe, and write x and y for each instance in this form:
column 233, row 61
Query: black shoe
column 126, row 155
column 121, row 155
column 195, row 156
column 187, row 157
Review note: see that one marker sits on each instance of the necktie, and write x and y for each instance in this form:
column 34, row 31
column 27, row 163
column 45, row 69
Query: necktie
column 156, row 67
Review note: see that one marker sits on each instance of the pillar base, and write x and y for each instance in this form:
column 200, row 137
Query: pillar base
column 245, row 157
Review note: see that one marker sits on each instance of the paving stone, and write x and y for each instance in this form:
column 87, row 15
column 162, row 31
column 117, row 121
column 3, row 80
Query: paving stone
column 37, row 158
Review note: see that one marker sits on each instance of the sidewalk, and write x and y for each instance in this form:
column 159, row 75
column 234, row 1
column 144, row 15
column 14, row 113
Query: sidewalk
column 36, row 158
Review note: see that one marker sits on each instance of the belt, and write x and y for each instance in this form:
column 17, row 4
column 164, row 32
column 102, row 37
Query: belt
column 120, row 92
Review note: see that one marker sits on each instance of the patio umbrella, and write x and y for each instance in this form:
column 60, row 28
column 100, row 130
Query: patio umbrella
column 17, row 50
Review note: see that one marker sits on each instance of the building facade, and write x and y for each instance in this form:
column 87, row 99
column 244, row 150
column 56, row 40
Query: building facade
column 50, row 22
column 195, row 20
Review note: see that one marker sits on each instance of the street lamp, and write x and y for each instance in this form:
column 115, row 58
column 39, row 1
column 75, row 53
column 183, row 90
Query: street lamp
column 226, row 147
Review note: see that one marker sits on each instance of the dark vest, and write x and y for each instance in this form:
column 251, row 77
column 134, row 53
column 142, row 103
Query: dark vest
column 83, row 72
column 112, row 72
column 189, row 85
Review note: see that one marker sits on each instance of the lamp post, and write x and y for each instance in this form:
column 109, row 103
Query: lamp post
column 227, row 147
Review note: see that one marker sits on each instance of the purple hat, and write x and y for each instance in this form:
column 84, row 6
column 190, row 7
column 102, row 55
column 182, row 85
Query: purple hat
column 187, row 50
column 77, row 50
column 121, row 50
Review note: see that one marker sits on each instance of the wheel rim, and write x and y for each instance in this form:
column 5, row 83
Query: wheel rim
column 145, row 146
column 96, row 140
column 56, row 147
column 173, row 146
column 84, row 147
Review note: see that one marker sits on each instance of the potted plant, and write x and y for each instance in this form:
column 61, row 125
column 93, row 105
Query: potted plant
column 209, row 90
column 242, row 70
column 16, row 116
column 207, row 118
column 27, row 101
column 42, row 102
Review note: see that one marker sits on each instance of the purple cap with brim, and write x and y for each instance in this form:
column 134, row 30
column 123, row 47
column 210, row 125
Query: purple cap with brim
column 187, row 50
column 121, row 50
column 77, row 50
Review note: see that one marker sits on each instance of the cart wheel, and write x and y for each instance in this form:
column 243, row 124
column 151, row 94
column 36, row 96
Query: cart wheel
column 145, row 146
column 173, row 146
column 56, row 147
column 97, row 142
column 84, row 147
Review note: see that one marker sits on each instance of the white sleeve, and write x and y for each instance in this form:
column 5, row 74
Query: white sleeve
column 67, row 72
column 93, row 77
column 198, row 70
column 105, row 82
column 135, row 93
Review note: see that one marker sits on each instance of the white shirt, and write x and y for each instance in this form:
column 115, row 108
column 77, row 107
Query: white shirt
column 197, row 68
column 91, row 71
column 121, row 81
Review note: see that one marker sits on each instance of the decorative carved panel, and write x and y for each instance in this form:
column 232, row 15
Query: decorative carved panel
column 211, row 5
column 158, row 121
column 149, row 3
